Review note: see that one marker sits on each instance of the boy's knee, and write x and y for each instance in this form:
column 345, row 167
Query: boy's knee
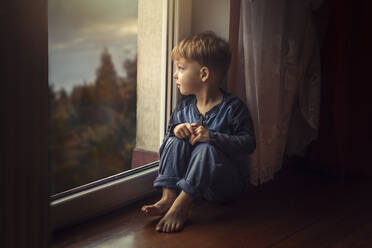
column 173, row 141
column 176, row 140
column 204, row 146
column 204, row 149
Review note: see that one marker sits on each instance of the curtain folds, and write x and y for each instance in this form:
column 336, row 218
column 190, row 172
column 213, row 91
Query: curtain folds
column 275, row 70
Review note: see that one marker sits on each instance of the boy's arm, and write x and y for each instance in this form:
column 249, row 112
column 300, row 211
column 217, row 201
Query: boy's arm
column 172, row 123
column 172, row 126
column 243, row 140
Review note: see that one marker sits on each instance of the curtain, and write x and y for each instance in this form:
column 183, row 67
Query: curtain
column 275, row 70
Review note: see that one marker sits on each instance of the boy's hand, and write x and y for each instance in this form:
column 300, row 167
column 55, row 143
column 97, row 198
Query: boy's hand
column 200, row 134
column 183, row 130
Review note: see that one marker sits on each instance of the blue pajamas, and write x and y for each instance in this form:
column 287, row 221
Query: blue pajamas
column 199, row 170
column 209, row 170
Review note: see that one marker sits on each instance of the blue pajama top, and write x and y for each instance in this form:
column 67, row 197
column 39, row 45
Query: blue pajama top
column 229, row 123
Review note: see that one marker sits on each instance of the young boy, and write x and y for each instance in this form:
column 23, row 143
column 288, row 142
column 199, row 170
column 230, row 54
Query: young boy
column 207, row 133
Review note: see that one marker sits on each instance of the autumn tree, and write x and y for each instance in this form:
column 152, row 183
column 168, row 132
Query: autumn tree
column 106, row 85
column 93, row 129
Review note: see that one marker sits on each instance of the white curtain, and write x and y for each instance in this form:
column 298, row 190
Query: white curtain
column 279, row 63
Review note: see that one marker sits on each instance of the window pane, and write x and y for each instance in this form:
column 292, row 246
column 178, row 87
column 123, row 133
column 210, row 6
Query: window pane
column 92, row 89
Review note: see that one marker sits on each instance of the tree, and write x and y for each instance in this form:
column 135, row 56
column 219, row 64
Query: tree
column 107, row 89
column 130, row 66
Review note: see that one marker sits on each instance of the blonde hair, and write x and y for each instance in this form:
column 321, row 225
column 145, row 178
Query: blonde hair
column 207, row 49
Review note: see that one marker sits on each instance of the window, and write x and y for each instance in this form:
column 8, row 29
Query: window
column 92, row 89
column 110, row 96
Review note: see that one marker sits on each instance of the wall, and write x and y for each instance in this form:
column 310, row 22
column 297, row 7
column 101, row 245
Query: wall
column 211, row 14
column 25, row 175
column 149, row 77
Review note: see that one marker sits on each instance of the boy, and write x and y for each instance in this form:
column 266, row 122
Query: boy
column 208, row 131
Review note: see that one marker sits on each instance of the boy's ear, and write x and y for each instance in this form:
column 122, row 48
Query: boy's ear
column 204, row 73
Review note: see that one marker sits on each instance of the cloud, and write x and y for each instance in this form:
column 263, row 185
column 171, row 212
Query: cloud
column 69, row 18
column 80, row 29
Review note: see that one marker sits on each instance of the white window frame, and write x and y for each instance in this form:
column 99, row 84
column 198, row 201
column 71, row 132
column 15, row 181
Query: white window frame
column 99, row 197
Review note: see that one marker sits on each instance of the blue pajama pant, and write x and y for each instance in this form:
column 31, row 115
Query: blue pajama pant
column 200, row 170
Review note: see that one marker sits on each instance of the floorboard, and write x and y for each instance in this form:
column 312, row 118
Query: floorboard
column 299, row 208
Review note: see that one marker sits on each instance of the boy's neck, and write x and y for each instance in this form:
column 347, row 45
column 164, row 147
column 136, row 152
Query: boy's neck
column 208, row 96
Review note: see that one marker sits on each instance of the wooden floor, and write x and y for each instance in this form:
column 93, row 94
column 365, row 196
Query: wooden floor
column 299, row 208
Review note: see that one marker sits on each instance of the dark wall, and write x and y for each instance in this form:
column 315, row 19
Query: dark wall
column 344, row 144
column 24, row 124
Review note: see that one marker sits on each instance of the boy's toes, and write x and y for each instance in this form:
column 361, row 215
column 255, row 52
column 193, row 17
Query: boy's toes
column 145, row 209
column 173, row 229
column 165, row 227
column 178, row 227
column 159, row 226
column 169, row 229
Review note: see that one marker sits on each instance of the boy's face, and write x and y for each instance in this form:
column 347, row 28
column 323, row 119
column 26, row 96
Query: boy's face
column 188, row 76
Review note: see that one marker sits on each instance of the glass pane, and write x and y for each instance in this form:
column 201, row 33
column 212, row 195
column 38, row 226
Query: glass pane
column 92, row 89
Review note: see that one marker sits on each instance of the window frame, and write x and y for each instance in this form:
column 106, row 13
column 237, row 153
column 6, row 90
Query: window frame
column 107, row 194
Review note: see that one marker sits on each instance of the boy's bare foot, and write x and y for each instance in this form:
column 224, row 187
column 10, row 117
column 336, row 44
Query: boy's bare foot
column 159, row 207
column 177, row 215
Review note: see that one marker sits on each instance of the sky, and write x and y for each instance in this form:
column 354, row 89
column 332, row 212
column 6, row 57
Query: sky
column 78, row 32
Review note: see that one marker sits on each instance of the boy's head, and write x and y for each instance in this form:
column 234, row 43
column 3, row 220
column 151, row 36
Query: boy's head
column 201, row 60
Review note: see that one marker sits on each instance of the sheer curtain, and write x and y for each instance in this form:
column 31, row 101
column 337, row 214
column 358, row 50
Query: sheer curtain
column 276, row 70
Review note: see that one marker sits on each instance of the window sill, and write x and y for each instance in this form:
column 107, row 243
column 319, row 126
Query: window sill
column 103, row 198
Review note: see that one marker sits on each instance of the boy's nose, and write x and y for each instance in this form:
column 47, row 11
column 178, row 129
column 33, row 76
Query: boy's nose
column 175, row 75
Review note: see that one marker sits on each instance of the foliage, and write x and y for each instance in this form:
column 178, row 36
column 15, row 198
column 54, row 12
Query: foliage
column 93, row 129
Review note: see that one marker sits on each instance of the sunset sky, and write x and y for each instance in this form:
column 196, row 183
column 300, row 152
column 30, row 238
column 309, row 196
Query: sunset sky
column 78, row 32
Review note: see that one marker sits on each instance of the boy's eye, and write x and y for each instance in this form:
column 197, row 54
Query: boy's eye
column 179, row 67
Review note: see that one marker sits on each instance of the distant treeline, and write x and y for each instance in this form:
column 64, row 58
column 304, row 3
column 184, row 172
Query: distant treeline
column 93, row 129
